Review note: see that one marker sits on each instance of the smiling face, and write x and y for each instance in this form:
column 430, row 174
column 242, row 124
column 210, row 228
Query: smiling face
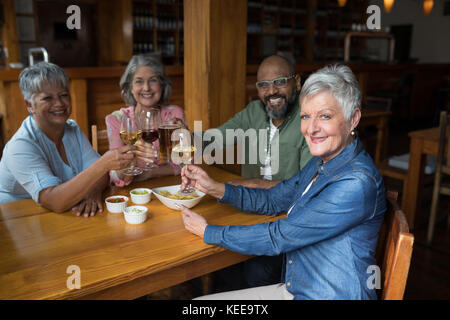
column 52, row 106
column 277, row 100
column 324, row 126
column 146, row 87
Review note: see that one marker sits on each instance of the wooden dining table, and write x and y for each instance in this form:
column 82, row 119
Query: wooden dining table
column 422, row 142
column 42, row 251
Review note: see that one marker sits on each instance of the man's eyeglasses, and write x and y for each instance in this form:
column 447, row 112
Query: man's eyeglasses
column 277, row 83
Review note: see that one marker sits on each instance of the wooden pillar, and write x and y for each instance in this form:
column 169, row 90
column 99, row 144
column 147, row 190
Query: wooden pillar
column 9, row 31
column 215, row 47
column 115, row 32
column 310, row 30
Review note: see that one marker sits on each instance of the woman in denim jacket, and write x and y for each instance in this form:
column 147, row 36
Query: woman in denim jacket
column 334, row 206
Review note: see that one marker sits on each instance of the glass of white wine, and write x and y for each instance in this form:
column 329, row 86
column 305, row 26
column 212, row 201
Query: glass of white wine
column 183, row 152
column 130, row 134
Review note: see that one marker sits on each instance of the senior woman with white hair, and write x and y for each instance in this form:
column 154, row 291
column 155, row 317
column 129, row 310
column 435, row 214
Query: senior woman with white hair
column 49, row 159
column 334, row 206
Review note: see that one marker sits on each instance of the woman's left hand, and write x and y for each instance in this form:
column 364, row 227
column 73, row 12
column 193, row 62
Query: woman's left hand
column 193, row 222
column 89, row 205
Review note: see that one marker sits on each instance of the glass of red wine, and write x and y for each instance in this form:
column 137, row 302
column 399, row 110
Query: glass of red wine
column 149, row 122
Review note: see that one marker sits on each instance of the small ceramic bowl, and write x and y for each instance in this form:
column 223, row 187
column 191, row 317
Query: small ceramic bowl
column 135, row 214
column 141, row 195
column 114, row 206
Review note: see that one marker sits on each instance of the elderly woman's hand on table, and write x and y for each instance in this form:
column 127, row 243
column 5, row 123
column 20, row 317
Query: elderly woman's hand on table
column 91, row 203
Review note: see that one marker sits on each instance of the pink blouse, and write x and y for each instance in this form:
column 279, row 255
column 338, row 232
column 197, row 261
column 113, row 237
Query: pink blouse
column 113, row 129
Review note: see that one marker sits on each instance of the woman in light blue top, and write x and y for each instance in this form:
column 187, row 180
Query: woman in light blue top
column 49, row 159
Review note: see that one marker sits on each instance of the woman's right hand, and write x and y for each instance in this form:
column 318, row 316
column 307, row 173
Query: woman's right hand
column 197, row 178
column 117, row 159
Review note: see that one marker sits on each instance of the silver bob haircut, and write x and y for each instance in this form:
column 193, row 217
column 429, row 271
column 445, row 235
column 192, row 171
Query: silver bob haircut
column 340, row 82
column 33, row 77
column 126, row 82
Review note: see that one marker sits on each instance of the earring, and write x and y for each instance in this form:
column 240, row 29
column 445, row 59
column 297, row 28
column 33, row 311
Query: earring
column 353, row 133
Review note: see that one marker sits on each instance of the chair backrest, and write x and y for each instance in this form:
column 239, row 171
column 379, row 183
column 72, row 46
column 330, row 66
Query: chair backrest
column 100, row 141
column 394, row 251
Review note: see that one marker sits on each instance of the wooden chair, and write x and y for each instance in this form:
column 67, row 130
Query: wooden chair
column 100, row 141
column 394, row 251
column 442, row 168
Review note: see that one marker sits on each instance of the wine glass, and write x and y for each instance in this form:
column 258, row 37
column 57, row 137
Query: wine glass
column 183, row 152
column 130, row 134
column 149, row 123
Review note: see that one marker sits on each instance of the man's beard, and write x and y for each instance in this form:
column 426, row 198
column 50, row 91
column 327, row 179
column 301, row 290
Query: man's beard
column 281, row 112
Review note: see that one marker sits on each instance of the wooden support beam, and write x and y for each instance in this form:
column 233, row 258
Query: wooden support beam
column 215, row 44
column 9, row 31
column 115, row 32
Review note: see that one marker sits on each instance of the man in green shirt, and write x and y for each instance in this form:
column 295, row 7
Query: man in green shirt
column 277, row 111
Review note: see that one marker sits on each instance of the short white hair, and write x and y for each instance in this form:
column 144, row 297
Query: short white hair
column 340, row 82
column 33, row 77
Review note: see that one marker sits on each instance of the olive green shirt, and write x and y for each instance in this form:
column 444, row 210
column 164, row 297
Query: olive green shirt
column 293, row 150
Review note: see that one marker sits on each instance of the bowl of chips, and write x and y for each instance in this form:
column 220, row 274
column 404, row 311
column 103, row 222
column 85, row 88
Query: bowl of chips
column 171, row 197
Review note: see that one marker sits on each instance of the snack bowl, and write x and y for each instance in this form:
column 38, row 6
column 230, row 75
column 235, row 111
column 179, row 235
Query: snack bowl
column 135, row 214
column 116, row 207
column 141, row 195
column 174, row 203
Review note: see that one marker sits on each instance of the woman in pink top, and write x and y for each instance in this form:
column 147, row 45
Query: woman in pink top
column 144, row 85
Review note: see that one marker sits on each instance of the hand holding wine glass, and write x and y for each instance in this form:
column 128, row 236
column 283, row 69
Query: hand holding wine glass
column 183, row 152
column 130, row 134
column 149, row 122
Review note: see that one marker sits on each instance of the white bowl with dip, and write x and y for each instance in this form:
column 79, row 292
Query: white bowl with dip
column 116, row 206
column 141, row 195
column 135, row 214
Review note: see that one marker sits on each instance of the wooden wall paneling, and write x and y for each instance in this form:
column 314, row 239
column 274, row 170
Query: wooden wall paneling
column 104, row 98
column 15, row 111
column 78, row 93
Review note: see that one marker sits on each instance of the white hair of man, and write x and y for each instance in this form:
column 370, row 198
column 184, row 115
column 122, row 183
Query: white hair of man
column 340, row 82
column 33, row 77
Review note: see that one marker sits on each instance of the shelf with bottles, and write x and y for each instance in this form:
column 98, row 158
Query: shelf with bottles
column 158, row 27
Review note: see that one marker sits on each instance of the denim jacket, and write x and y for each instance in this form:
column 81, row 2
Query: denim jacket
column 329, row 236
